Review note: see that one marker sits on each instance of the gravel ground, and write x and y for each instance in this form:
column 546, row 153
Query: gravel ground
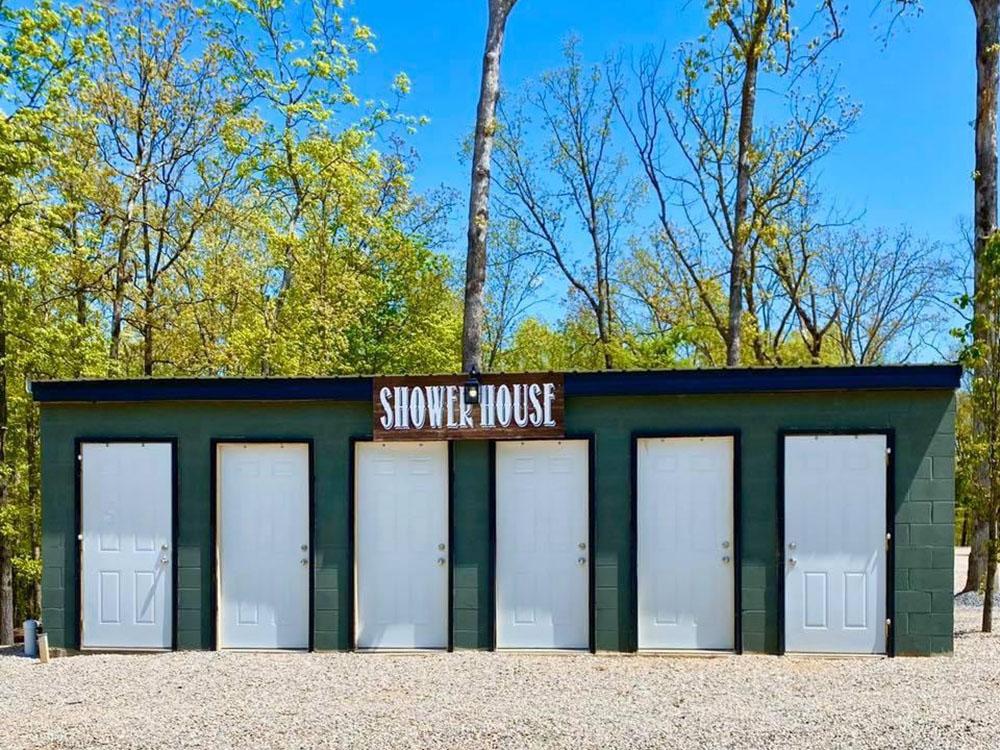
column 484, row 700
column 976, row 599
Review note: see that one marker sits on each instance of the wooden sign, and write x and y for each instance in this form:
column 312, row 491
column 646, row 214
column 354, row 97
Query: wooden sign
column 435, row 407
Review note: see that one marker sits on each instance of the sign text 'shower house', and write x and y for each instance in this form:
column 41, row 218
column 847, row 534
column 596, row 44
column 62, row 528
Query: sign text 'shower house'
column 442, row 407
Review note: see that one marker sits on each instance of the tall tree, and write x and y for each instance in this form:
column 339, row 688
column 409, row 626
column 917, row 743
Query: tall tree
column 40, row 47
column 479, row 191
column 684, row 130
column 516, row 270
column 762, row 38
column 166, row 127
column 978, row 467
column 299, row 61
column 861, row 297
column 171, row 171
column 576, row 198
column 984, row 223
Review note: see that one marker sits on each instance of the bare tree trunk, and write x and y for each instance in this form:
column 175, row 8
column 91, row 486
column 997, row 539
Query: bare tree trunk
column 737, row 266
column 292, row 232
column 991, row 574
column 985, row 207
column 603, row 324
column 977, row 556
column 81, row 323
column 6, row 562
column 479, row 192
column 118, row 295
column 79, row 296
column 35, row 505
column 147, row 328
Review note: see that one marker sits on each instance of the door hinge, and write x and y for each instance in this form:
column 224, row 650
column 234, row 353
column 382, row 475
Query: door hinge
column 888, row 627
column 888, row 455
column 888, row 540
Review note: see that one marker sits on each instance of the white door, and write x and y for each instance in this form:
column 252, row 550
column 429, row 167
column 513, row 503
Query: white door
column 543, row 552
column 835, row 561
column 127, row 526
column 685, row 543
column 263, row 534
column 401, row 527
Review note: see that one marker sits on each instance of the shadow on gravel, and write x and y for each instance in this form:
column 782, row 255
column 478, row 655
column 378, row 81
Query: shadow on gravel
column 13, row 651
column 959, row 634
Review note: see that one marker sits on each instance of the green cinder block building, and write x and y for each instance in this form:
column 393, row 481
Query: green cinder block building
column 747, row 510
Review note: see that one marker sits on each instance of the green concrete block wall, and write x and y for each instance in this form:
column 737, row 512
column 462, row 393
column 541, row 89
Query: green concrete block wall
column 472, row 597
column 194, row 425
column 923, row 423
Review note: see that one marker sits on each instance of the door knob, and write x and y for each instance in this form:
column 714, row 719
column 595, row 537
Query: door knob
column 441, row 546
column 792, row 561
column 725, row 559
column 304, row 561
column 582, row 545
column 304, row 547
column 792, row 545
column 581, row 561
column 164, row 547
column 441, row 561
column 725, row 545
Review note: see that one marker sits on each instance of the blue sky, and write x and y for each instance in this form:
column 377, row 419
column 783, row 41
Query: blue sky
column 908, row 161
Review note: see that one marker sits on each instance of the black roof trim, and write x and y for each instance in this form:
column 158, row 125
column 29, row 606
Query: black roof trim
column 615, row 383
column 761, row 380
column 206, row 389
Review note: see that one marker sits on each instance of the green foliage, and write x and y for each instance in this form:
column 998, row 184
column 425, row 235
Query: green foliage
column 197, row 189
column 966, row 486
column 978, row 479
column 978, row 449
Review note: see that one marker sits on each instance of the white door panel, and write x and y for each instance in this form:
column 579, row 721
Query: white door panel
column 834, row 556
column 543, row 552
column 127, row 527
column 263, row 534
column 401, row 527
column 685, row 543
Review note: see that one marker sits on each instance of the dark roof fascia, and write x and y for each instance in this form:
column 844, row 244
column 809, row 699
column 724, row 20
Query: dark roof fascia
column 205, row 389
column 623, row 383
column 693, row 382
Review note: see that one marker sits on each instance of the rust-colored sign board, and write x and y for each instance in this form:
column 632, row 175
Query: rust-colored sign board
column 435, row 407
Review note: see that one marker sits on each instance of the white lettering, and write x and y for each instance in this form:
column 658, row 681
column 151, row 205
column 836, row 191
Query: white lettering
column 435, row 405
column 534, row 391
column 487, row 410
column 417, row 408
column 521, row 405
column 384, row 395
column 549, row 400
column 402, row 397
column 503, row 405
column 451, row 391
column 464, row 410
column 514, row 406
